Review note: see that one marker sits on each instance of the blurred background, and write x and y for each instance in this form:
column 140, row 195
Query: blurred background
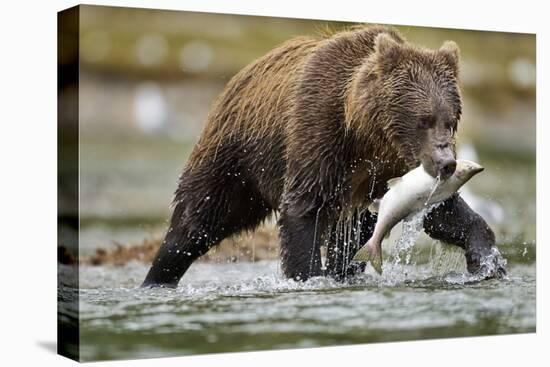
column 148, row 79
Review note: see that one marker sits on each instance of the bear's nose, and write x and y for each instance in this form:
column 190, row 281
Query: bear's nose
column 447, row 169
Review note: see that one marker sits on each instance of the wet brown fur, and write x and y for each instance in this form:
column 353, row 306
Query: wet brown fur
column 313, row 129
column 273, row 109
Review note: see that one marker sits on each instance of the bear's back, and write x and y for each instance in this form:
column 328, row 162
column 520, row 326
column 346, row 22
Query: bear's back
column 280, row 102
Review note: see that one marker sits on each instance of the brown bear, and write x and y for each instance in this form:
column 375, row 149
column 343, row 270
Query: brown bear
column 313, row 130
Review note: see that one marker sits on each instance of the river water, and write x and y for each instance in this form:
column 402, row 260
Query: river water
column 230, row 307
column 424, row 292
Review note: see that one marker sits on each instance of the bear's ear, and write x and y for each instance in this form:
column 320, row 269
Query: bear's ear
column 384, row 44
column 450, row 51
column 386, row 50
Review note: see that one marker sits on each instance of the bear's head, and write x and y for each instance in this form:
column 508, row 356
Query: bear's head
column 409, row 97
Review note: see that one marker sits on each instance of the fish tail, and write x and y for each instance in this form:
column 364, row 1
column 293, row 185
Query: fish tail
column 371, row 252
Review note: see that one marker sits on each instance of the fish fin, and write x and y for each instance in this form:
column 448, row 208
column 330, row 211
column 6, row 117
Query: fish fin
column 374, row 207
column 394, row 181
column 377, row 263
column 362, row 254
column 370, row 253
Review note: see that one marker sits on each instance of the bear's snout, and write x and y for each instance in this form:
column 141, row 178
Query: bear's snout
column 447, row 168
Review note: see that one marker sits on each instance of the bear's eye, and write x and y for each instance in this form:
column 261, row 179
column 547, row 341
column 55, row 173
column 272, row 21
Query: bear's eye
column 426, row 122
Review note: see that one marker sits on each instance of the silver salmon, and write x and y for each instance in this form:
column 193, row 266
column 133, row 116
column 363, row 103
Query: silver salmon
column 406, row 196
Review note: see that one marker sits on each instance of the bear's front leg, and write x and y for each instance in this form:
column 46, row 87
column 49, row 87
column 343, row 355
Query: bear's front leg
column 454, row 222
column 300, row 245
column 341, row 249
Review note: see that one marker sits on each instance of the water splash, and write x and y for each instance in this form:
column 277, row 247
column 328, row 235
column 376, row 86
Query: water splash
column 437, row 182
column 314, row 244
column 412, row 227
column 347, row 231
column 492, row 265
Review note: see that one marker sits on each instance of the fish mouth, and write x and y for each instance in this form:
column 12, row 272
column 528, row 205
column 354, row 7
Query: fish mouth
column 468, row 168
column 474, row 167
column 476, row 170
